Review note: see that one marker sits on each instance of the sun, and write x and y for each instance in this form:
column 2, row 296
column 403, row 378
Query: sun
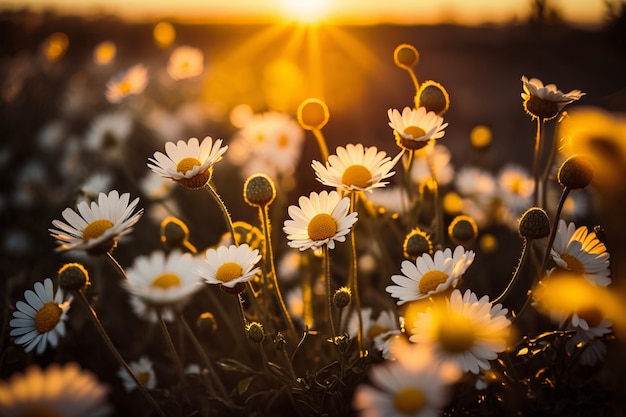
column 305, row 11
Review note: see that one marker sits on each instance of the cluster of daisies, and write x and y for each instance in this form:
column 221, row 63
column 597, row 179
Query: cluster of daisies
column 452, row 332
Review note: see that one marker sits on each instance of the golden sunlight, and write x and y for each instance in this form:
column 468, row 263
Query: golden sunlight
column 305, row 11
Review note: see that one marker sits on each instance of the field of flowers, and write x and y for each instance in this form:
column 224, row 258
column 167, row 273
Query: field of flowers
column 363, row 221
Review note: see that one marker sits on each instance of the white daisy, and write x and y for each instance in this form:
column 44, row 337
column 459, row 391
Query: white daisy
column 475, row 183
column 376, row 331
column 131, row 82
column 320, row 219
column 98, row 226
column 96, row 183
column 58, row 390
column 594, row 349
column 430, row 275
column 155, row 186
column 393, row 199
column 41, row 319
column 408, row 386
column 143, row 370
column 164, row 281
column 229, row 266
column 185, row 62
column 545, row 102
column 440, row 158
column 108, row 133
column 189, row 163
column 515, row 188
column 414, row 128
column 356, row 168
column 464, row 330
column 580, row 251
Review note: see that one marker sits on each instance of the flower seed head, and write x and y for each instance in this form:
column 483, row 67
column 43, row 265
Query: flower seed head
column 313, row 114
column 259, row 190
column 576, row 172
column 255, row 332
column 433, row 96
column 416, row 243
column 174, row 233
column 73, row 277
column 534, row 224
column 206, row 323
column 405, row 56
column 342, row 297
column 462, row 229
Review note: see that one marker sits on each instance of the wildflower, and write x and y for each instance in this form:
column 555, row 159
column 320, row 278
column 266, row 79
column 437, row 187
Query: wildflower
column 438, row 158
column 534, row 224
column 589, row 340
column 545, row 102
column 430, row 275
column 342, row 298
column 95, row 184
column 98, row 226
column 41, row 319
column 475, row 183
column 185, row 62
column 515, row 187
column 255, row 332
column 408, row 386
column 580, row 251
column 576, row 172
column 73, row 277
column 355, row 168
column 375, row 331
column 464, row 330
column 108, row 133
column 320, row 219
column 155, row 186
column 230, row 266
column 131, row 82
column 143, row 370
column 433, row 97
column 259, row 190
column 188, row 163
column 163, row 281
column 58, row 390
column 416, row 243
column 462, row 230
column 414, row 128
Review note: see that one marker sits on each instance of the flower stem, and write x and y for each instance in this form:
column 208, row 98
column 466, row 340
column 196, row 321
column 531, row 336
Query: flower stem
column 116, row 353
column 414, row 79
column 516, row 274
column 175, row 357
column 536, row 161
column 117, row 265
column 555, row 226
column 329, row 301
column 321, row 143
column 229, row 223
column 353, row 278
column 437, row 201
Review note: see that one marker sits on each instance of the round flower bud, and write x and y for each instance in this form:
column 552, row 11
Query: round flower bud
column 255, row 332
column 416, row 243
column 462, row 229
column 534, row 224
column 259, row 190
column 206, row 323
column 576, row 172
column 541, row 108
column 174, row 233
column 405, row 56
column 313, row 114
column 73, row 277
column 433, row 97
column 342, row 297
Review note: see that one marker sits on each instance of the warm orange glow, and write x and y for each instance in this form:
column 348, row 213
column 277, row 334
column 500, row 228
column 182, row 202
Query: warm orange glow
column 55, row 45
column 305, row 11
column 164, row 34
column 104, row 53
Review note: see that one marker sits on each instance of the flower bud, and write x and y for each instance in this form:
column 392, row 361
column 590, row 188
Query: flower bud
column 174, row 233
column 576, row 172
column 73, row 277
column 255, row 332
column 534, row 224
column 433, row 97
column 405, row 56
column 416, row 243
column 462, row 229
column 342, row 297
column 259, row 190
column 313, row 114
column 206, row 323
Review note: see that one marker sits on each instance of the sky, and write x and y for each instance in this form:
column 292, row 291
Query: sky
column 339, row 11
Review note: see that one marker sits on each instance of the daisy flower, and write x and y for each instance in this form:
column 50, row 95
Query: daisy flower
column 475, row 183
column 189, row 163
column 155, row 186
column 515, row 187
column 375, row 331
column 131, row 82
column 414, row 128
column 594, row 349
column 229, row 266
column 408, row 386
column 96, row 183
column 143, row 370
column 356, row 168
column 320, row 219
column 96, row 227
column 163, row 281
column 108, row 133
column 440, row 158
column 430, row 275
column 580, row 251
column 58, row 390
column 545, row 102
column 185, row 62
column 41, row 319
column 464, row 330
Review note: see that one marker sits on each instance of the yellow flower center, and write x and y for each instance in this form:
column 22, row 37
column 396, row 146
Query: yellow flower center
column 39, row 412
column 322, row 226
column 573, row 264
column 356, row 175
column 414, row 131
column 430, row 280
column 228, row 271
column 166, row 280
column 187, row 164
column 96, row 229
column 516, row 186
column 283, row 141
column 409, row 400
column 456, row 334
column 376, row 330
column 143, row 377
column 260, row 138
column 48, row 317
column 125, row 87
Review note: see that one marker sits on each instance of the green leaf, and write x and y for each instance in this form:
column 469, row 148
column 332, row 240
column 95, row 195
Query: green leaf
column 244, row 384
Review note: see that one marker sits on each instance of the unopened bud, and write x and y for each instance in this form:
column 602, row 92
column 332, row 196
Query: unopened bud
column 462, row 229
column 576, row 172
column 73, row 277
column 259, row 190
column 174, row 233
column 255, row 332
column 313, row 114
column 534, row 224
column 417, row 243
column 342, row 297
column 405, row 56
column 433, row 96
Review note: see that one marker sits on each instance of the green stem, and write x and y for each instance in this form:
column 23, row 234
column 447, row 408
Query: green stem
column 117, row 265
column 414, row 79
column 354, row 280
column 117, row 355
column 437, row 201
column 229, row 223
column 516, row 274
column 329, row 301
column 536, row 161
column 548, row 167
column 555, row 226
column 321, row 143
column 177, row 363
